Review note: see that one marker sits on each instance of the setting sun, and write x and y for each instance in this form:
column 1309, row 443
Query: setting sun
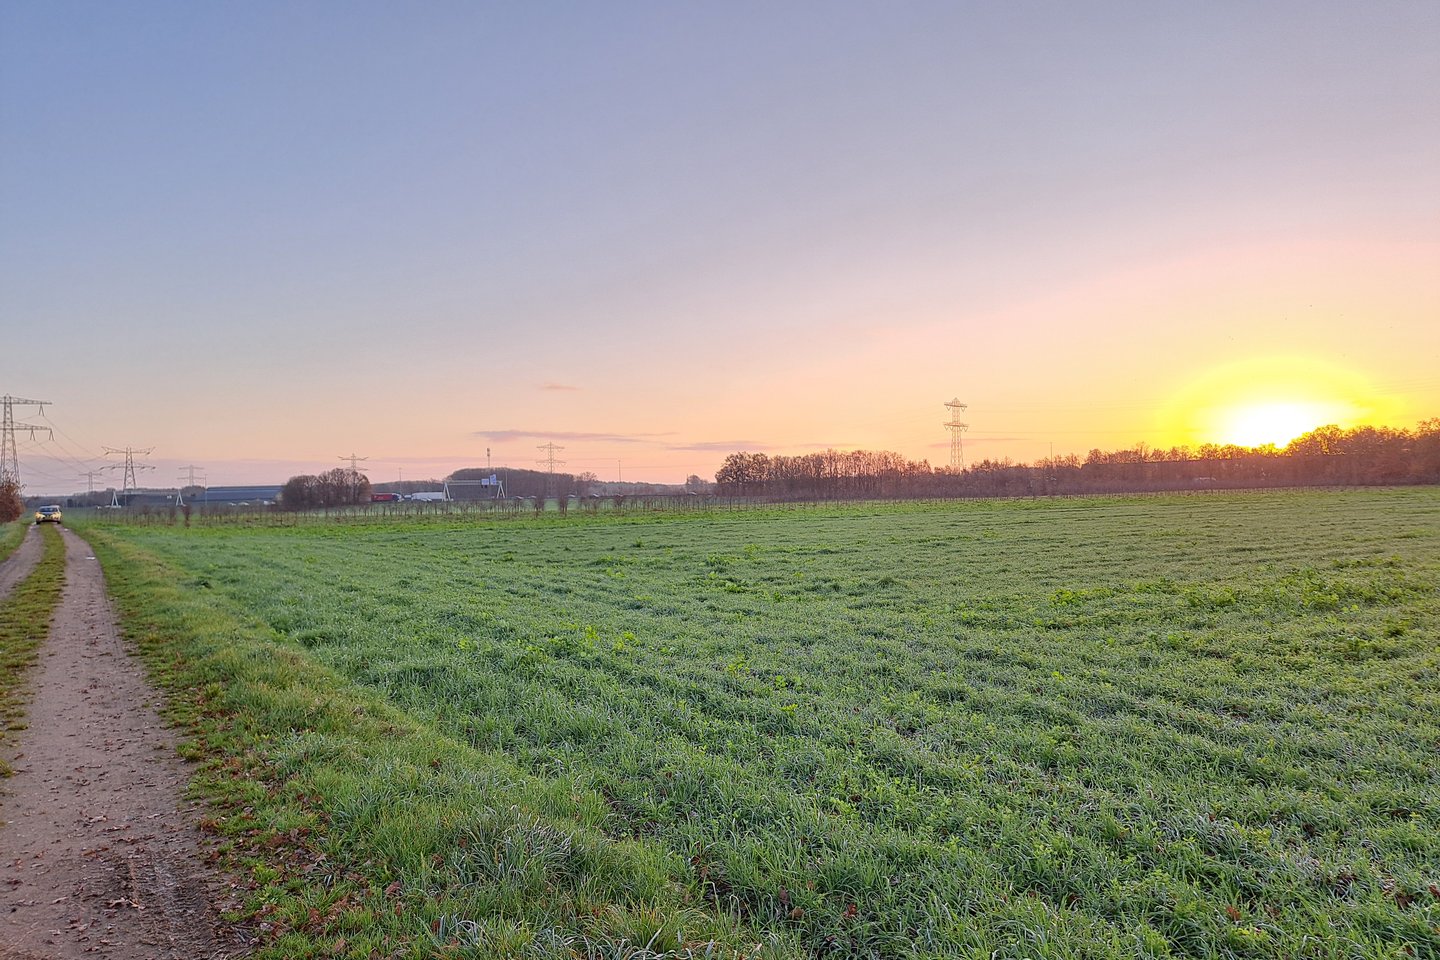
column 1271, row 400
column 1274, row 423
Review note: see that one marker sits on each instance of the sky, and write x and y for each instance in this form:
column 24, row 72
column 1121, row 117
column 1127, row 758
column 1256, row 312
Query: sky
column 259, row 237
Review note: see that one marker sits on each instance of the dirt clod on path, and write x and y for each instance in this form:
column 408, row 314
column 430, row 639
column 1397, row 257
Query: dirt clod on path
column 99, row 853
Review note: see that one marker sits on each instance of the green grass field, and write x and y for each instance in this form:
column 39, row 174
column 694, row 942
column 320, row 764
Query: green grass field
column 1149, row 727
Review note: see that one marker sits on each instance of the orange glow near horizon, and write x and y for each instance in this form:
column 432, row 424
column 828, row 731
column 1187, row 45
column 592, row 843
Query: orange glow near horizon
column 1272, row 401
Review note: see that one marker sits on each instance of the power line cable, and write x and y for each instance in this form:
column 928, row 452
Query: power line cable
column 63, row 454
column 71, row 451
column 52, row 425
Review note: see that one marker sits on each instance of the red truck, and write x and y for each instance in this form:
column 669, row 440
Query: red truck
column 385, row 498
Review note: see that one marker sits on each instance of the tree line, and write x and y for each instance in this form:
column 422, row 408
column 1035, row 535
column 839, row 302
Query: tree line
column 1327, row 456
column 520, row 482
column 333, row 488
column 342, row 487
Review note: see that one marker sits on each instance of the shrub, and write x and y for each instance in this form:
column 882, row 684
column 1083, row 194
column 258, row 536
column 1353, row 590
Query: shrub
column 11, row 506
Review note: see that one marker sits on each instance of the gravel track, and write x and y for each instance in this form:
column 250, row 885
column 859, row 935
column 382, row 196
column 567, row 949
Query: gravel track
column 99, row 852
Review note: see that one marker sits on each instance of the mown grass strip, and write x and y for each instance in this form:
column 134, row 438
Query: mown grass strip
column 24, row 623
column 10, row 536
column 361, row 832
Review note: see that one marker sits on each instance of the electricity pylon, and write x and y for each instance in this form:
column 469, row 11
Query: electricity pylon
column 9, row 456
column 188, row 474
column 550, row 463
column 90, row 476
column 956, row 428
column 127, row 483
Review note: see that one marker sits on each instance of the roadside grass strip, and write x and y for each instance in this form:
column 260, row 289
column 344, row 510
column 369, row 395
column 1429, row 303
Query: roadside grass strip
column 24, row 623
column 361, row 832
column 10, row 536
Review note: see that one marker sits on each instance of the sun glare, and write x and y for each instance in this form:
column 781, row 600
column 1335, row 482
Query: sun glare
column 1277, row 423
column 1269, row 400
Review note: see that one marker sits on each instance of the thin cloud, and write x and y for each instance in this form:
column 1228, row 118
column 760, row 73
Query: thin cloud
column 728, row 446
column 753, row 446
column 500, row 436
column 977, row 441
column 559, row 386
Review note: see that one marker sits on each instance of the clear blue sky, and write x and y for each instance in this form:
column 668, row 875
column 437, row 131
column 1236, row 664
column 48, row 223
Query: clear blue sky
column 263, row 235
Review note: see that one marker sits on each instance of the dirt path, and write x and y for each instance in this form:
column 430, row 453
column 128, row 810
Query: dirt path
column 99, row 856
column 18, row 565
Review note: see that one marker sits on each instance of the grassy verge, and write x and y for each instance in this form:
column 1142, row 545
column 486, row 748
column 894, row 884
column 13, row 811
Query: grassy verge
column 24, row 622
column 10, row 536
column 361, row 832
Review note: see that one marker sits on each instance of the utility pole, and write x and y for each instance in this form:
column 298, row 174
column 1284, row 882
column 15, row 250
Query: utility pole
column 9, row 456
column 127, row 484
column 956, row 428
column 354, row 461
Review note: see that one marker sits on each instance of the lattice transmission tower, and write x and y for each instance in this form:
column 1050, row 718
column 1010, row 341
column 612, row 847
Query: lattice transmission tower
column 9, row 455
column 128, row 485
column 550, row 463
column 188, row 475
column 957, row 429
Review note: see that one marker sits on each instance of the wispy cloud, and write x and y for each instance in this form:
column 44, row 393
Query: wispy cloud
column 979, row 441
column 728, row 446
column 499, row 436
column 558, row 386
column 753, row 446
